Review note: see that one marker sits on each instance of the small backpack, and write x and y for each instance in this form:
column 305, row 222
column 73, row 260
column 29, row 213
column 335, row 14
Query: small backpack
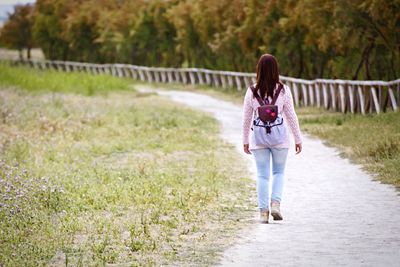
column 268, row 128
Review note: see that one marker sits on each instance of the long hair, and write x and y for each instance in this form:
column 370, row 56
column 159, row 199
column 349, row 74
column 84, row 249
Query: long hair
column 267, row 76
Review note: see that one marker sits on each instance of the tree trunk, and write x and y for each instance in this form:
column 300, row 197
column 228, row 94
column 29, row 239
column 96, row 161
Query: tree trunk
column 355, row 76
column 365, row 59
column 133, row 54
column 322, row 67
column 20, row 54
column 28, row 52
column 300, row 62
column 393, row 69
column 51, row 48
column 367, row 70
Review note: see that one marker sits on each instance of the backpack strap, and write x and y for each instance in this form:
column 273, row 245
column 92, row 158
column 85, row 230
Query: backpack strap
column 261, row 102
column 277, row 93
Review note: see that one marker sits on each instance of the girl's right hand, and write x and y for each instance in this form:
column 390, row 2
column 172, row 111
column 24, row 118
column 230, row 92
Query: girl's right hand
column 298, row 148
column 246, row 149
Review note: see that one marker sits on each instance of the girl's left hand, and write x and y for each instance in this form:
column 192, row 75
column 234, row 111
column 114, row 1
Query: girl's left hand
column 246, row 149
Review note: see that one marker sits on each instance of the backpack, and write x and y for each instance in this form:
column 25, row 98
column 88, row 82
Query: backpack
column 268, row 128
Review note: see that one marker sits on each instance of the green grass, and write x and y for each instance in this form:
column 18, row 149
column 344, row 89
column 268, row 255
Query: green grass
column 120, row 178
column 53, row 81
column 370, row 140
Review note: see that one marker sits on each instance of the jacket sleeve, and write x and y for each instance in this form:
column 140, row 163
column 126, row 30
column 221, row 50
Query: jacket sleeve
column 291, row 116
column 247, row 116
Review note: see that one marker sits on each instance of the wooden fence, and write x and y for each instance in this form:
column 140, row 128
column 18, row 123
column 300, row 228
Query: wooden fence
column 338, row 95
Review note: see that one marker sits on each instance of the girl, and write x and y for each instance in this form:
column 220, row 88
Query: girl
column 265, row 88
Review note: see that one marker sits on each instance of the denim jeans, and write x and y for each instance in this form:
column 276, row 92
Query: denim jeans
column 263, row 162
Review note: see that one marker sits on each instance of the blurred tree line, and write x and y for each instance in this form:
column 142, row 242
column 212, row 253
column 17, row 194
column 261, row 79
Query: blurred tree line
column 358, row 39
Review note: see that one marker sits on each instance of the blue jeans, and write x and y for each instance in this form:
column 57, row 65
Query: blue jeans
column 263, row 163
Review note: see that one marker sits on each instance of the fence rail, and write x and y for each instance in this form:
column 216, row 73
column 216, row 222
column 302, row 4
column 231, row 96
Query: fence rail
column 338, row 95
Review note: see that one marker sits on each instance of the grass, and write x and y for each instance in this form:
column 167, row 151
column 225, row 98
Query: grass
column 37, row 81
column 111, row 176
column 370, row 140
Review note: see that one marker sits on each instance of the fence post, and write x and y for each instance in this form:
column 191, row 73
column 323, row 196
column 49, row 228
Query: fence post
column 223, row 80
column 350, row 90
column 296, row 94
column 177, row 76
column 200, row 76
column 170, row 76
column 317, row 89
column 157, row 75
column 332, row 89
column 342, row 98
column 149, row 75
column 134, row 73
column 208, row 77
column 310, row 88
column 325, row 95
column 230, row 79
column 184, row 76
column 216, row 81
column 361, row 98
column 375, row 100
column 238, row 80
column 246, row 81
column 304, row 94
column 392, row 98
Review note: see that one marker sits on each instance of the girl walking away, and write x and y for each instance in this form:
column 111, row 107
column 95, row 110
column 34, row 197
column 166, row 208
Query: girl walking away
column 267, row 112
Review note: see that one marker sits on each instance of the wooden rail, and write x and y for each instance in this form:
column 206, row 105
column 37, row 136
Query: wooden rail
column 337, row 95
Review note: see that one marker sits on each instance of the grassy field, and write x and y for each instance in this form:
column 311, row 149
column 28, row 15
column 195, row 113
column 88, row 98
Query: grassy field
column 370, row 140
column 93, row 173
column 76, row 83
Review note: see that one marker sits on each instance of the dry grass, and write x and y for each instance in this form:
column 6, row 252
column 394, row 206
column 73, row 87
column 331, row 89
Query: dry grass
column 372, row 140
column 118, row 178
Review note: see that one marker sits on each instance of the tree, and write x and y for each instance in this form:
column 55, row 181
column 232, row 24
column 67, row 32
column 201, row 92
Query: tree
column 48, row 27
column 17, row 31
column 357, row 39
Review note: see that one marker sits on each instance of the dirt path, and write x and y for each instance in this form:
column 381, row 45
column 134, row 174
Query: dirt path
column 334, row 213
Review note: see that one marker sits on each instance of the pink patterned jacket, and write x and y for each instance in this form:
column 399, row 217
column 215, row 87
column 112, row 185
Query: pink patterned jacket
column 285, row 106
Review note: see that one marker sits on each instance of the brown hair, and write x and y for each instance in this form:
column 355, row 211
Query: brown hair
column 267, row 76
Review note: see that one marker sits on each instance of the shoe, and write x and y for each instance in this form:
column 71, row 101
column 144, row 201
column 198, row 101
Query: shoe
column 264, row 216
column 276, row 211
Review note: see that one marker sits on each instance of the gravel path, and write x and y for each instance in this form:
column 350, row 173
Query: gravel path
column 334, row 213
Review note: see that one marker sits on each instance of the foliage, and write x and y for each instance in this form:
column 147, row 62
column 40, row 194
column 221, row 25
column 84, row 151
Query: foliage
column 48, row 29
column 311, row 38
column 16, row 33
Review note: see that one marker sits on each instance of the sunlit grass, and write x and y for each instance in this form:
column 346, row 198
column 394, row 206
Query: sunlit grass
column 53, row 81
column 373, row 140
column 122, row 178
